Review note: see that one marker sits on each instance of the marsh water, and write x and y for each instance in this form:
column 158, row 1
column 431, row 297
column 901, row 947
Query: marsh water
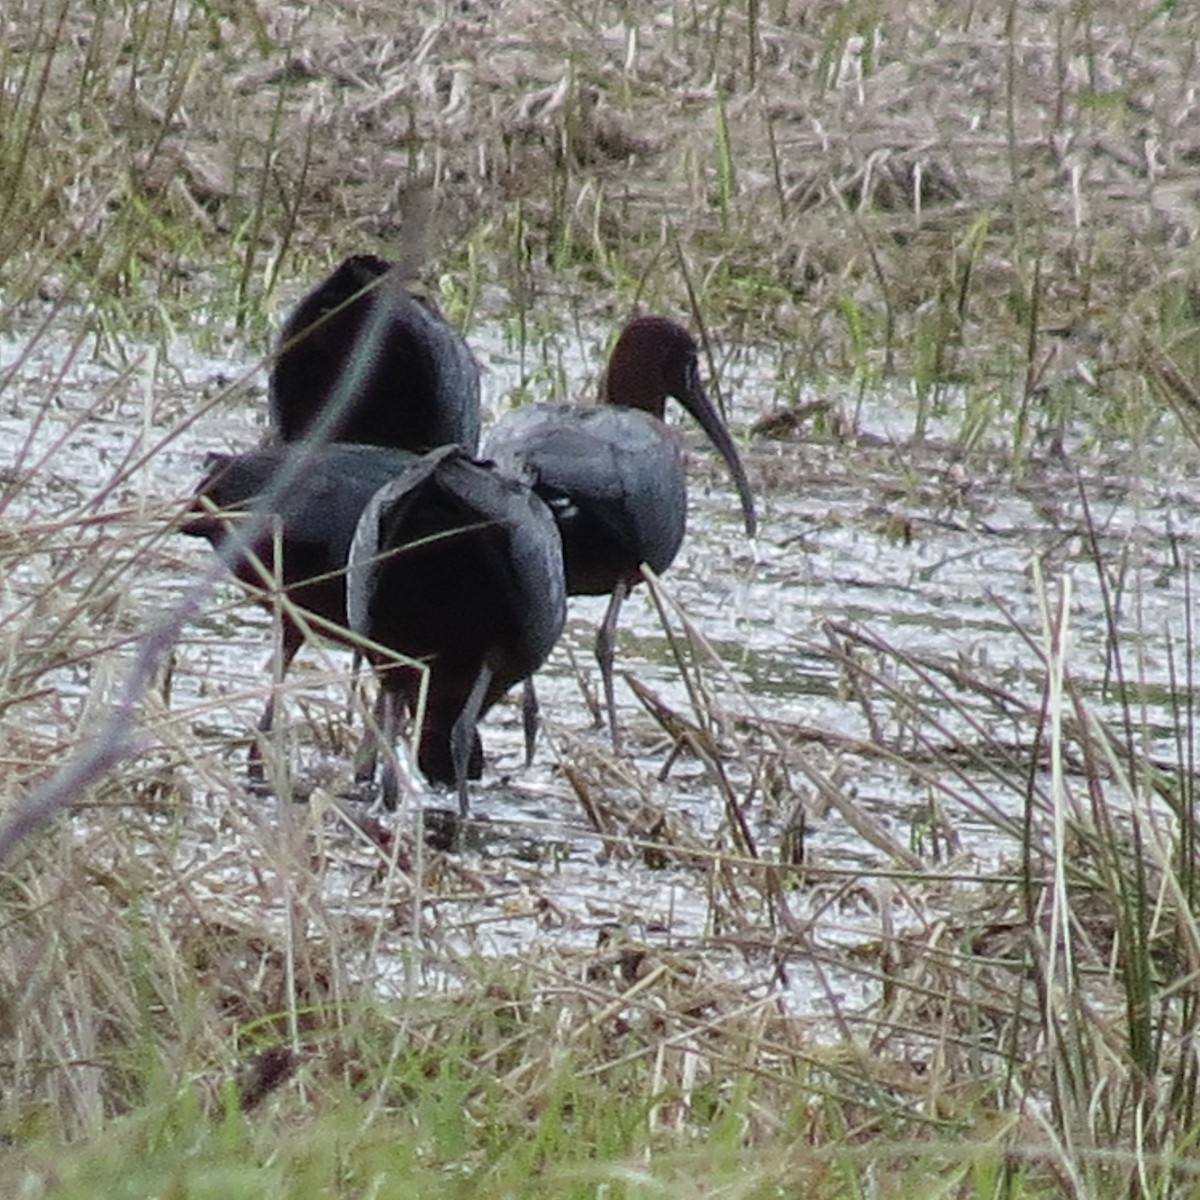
column 871, row 670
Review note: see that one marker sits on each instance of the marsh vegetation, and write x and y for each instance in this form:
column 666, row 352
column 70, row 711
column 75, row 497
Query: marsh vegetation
column 893, row 890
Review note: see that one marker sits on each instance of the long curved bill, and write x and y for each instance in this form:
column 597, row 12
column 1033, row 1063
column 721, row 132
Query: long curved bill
column 696, row 401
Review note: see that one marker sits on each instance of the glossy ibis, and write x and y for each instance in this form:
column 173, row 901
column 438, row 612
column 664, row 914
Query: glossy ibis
column 459, row 567
column 363, row 359
column 613, row 473
column 305, row 502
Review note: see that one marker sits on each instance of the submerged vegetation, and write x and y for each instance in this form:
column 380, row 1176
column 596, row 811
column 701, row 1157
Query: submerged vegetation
column 666, row 976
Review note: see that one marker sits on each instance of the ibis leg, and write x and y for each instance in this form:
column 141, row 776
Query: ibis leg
column 605, row 653
column 355, row 687
column 254, row 758
column 529, row 718
column 389, row 731
column 462, row 736
column 366, row 758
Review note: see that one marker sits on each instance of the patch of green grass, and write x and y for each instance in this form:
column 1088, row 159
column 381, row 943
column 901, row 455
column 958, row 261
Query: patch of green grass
column 545, row 1118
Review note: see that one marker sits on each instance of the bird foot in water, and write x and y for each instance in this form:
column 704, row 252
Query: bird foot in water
column 360, row 791
column 292, row 791
column 443, row 828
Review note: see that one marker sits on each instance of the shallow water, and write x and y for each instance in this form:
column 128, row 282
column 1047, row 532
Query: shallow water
column 932, row 553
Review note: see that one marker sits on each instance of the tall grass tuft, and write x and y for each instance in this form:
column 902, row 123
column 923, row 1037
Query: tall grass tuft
column 207, row 993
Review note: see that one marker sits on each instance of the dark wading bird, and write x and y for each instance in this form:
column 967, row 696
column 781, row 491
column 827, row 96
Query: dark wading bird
column 613, row 473
column 363, row 359
column 306, row 502
column 459, row 567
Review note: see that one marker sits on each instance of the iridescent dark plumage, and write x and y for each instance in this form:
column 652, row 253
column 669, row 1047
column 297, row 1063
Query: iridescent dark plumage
column 460, row 567
column 363, row 359
column 613, row 474
column 300, row 505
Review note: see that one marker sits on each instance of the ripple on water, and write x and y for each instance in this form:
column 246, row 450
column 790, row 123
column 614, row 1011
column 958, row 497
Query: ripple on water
column 938, row 570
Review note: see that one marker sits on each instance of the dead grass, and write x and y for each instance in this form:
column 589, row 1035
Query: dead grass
column 178, row 958
column 997, row 206
column 997, row 198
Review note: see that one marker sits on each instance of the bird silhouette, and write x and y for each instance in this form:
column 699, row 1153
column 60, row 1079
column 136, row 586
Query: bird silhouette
column 459, row 567
column 613, row 474
column 363, row 358
column 283, row 518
